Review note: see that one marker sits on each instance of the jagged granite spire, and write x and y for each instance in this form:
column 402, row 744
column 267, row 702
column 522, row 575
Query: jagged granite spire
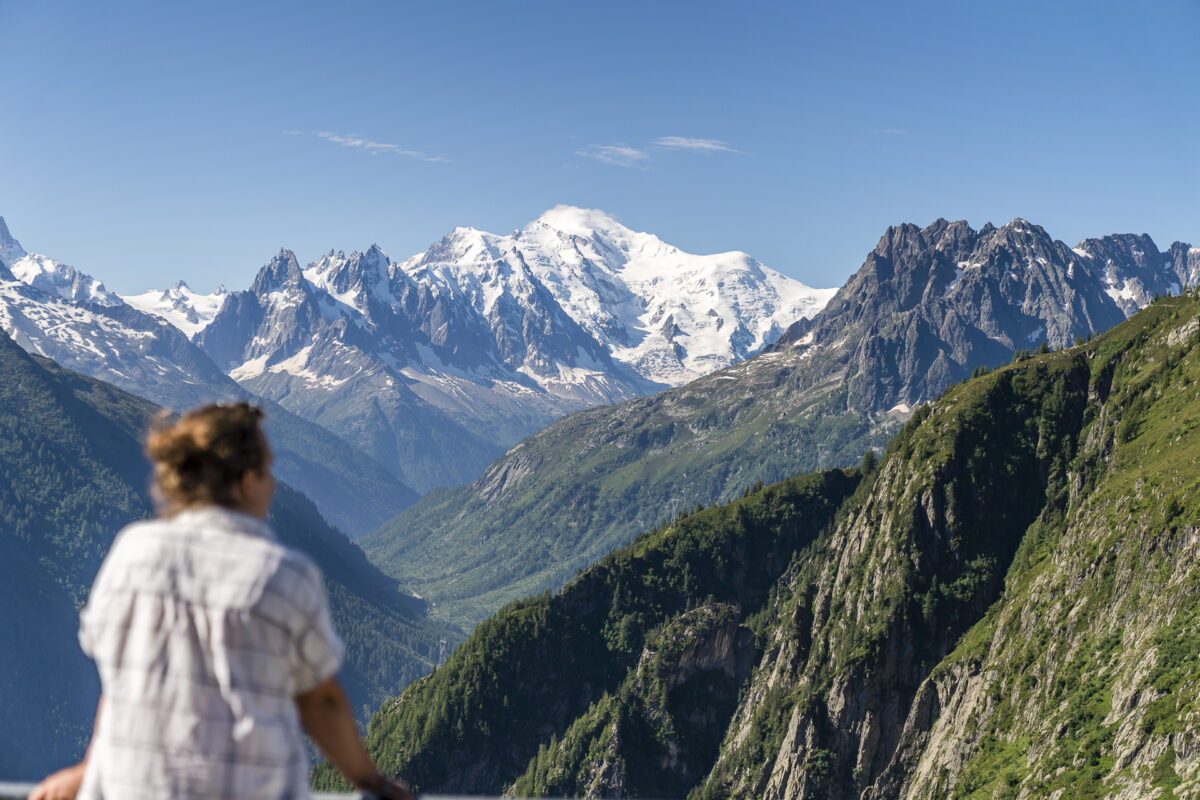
column 10, row 248
column 280, row 271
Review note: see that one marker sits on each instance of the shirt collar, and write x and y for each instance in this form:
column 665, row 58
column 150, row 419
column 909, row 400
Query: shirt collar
column 225, row 519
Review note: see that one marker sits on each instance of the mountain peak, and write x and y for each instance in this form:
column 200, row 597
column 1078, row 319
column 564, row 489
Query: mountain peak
column 61, row 280
column 1020, row 225
column 281, row 270
column 577, row 221
column 10, row 248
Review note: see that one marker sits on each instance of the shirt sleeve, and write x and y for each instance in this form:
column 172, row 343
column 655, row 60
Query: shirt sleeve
column 317, row 649
column 97, row 611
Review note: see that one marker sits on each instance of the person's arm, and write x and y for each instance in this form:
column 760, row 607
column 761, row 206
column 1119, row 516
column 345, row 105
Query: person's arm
column 326, row 716
column 64, row 784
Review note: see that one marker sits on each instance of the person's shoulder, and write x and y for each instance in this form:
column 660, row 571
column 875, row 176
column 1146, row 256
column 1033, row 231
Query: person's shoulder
column 133, row 545
column 298, row 579
column 296, row 565
column 135, row 537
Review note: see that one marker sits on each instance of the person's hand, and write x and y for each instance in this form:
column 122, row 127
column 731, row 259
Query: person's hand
column 62, row 785
column 380, row 788
column 397, row 790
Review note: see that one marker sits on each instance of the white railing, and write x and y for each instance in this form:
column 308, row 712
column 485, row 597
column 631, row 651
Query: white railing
column 20, row 791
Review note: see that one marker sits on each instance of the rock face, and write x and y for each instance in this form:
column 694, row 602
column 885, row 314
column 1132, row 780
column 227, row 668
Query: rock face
column 658, row 734
column 928, row 307
column 931, row 304
column 1003, row 606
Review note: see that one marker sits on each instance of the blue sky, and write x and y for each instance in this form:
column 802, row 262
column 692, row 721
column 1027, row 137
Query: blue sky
column 148, row 142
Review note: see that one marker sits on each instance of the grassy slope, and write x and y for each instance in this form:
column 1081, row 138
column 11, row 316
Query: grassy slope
column 911, row 567
column 1099, row 695
column 1078, row 674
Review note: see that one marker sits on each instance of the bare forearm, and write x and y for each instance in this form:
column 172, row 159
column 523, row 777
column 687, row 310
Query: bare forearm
column 64, row 784
column 326, row 716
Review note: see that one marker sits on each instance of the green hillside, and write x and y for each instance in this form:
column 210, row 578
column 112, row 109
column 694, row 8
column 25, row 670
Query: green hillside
column 71, row 475
column 530, row 671
column 565, row 496
column 1005, row 606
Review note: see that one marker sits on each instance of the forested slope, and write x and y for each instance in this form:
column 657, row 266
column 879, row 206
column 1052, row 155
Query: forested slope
column 528, row 673
column 1004, row 607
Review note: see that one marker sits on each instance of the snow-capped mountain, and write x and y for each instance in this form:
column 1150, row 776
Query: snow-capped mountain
column 185, row 309
column 10, row 248
column 57, row 311
column 505, row 305
column 670, row 315
column 411, row 371
column 54, row 310
column 56, row 278
column 482, row 339
column 50, row 275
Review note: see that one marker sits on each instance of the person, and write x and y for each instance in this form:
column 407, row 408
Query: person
column 213, row 641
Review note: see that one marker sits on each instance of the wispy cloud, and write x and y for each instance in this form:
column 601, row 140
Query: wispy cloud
column 375, row 148
column 893, row 132
column 617, row 154
column 687, row 143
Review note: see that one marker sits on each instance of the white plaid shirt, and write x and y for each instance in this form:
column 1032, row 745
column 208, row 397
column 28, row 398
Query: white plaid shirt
column 204, row 629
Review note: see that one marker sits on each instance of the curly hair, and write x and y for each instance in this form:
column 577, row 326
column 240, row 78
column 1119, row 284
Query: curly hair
column 200, row 458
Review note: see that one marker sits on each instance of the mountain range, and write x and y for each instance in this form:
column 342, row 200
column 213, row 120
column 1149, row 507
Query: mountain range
column 927, row 308
column 435, row 364
column 1001, row 605
column 51, row 309
column 431, row 366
